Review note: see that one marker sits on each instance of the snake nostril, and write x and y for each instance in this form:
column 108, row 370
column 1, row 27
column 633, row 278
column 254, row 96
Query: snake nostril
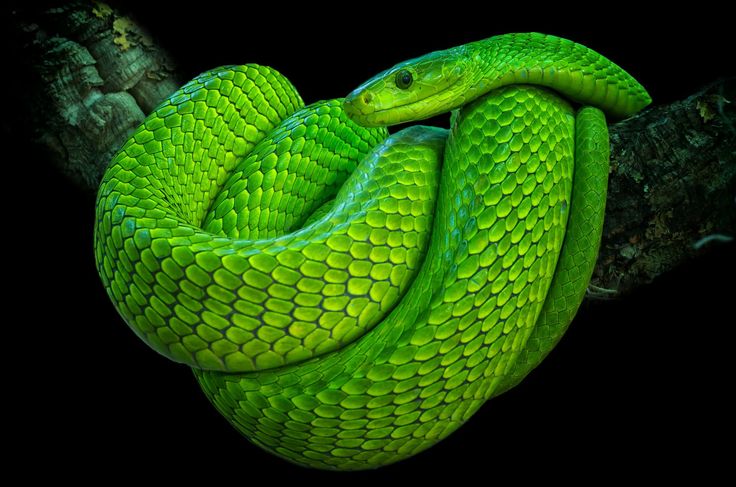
column 367, row 97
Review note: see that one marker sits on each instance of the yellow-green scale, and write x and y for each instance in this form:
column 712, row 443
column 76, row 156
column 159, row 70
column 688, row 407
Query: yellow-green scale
column 422, row 371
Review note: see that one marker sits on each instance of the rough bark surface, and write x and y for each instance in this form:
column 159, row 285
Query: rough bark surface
column 96, row 73
column 672, row 185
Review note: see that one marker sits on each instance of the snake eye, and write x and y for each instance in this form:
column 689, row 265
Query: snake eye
column 404, row 79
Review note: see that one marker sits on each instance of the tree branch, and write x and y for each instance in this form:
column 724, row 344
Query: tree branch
column 96, row 73
column 672, row 184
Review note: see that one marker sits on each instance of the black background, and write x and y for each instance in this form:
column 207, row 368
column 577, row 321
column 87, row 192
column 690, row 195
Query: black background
column 638, row 385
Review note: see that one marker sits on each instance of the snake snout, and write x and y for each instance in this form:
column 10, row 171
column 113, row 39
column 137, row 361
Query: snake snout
column 359, row 103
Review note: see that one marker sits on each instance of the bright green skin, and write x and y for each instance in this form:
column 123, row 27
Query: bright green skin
column 354, row 332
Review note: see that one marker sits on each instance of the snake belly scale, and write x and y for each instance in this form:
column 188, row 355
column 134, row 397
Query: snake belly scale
column 345, row 297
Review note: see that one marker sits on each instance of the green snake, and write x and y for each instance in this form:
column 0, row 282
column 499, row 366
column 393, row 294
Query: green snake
column 347, row 298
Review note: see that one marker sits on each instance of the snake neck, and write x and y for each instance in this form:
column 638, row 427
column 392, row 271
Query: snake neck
column 579, row 73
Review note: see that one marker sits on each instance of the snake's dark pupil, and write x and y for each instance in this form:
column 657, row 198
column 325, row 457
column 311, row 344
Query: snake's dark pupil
column 403, row 79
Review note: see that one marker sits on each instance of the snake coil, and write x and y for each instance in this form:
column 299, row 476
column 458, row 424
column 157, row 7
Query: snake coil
column 348, row 298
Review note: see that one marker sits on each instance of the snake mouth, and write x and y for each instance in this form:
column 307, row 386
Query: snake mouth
column 387, row 116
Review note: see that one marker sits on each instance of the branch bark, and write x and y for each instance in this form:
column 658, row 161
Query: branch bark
column 96, row 73
column 672, row 185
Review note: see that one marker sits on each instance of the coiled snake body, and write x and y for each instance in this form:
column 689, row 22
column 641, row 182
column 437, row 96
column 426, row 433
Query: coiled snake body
column 348, row 298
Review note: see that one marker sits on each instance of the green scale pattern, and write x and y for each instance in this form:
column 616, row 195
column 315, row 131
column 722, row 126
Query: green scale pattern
column 348, row 298
column 433, row 361
column 580, row 248
column 258, row 299
column 572, row 69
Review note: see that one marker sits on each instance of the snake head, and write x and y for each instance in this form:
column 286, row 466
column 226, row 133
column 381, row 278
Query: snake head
column 413, row 90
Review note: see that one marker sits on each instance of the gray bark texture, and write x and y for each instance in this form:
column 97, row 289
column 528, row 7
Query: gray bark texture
column 96, row 74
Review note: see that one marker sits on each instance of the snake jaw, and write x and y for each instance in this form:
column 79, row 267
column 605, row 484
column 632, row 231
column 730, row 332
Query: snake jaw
column 365, row 115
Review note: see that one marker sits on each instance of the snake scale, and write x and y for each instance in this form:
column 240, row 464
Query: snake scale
column 345, row 297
